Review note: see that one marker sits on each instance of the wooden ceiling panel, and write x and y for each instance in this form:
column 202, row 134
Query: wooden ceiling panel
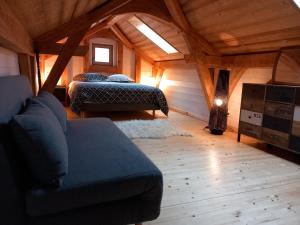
column 242, row 26
column 40, row 16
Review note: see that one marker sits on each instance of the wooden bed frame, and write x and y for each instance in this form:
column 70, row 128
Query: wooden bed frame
column 96, row 107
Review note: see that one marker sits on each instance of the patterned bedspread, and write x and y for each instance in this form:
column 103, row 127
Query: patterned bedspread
column 115, row 93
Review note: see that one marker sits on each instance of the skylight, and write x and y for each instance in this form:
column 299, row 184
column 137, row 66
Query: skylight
column 297, row 2
column 152, row 35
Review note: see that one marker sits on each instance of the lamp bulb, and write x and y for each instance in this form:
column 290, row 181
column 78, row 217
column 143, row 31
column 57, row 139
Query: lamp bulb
column 219, row 102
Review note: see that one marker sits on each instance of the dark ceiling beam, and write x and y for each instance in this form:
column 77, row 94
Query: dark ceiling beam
column 63, row 59
column 55, row 49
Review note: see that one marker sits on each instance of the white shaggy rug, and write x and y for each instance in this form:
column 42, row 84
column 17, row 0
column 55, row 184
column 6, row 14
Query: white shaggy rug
column 152, row 129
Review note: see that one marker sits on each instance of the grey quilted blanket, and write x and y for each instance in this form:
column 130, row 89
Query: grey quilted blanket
column 115, row 93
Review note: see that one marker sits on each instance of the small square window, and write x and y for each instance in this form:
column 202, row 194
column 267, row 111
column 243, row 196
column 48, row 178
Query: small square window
column 103, row 54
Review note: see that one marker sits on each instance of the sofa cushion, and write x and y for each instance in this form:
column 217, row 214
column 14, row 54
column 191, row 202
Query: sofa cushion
column 40, row 137
column 104, row 165
column 55, row 106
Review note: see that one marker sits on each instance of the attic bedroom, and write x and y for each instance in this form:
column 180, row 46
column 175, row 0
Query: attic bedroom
column 162, row 112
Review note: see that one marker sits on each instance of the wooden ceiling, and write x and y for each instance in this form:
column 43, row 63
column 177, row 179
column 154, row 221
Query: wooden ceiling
column 242, row 26
column 231, row 26
column 40, row 16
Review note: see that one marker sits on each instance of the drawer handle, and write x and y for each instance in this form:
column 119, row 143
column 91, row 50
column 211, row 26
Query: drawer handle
column 249, row 117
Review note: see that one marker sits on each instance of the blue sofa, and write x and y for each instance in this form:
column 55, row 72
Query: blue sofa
column 110, row 181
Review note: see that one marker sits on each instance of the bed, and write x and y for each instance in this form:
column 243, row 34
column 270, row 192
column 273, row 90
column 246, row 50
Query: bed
column 104, row 95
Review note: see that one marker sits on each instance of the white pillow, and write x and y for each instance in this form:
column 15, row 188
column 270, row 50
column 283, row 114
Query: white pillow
column 119, row 78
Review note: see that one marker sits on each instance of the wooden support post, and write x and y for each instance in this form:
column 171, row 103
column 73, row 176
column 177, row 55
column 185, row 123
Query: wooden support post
column 63, row 59
column 138, row 68
column 37, row 55
column 197, row 45
column 235, row 75
column 27, row 68
column 120, row 57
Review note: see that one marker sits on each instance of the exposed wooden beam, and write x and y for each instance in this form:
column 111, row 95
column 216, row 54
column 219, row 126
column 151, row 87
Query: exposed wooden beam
column 55, row 49
column 70, row 28
column 138, row 68
column 98, row 27
column 249, row 60
column 13, row 35
column 197, row 48
column 111, row 8
column 182, row 22
column 120, row 57
column 235, row 76
column 63, row 59
column 121, row 36
column 27, row 68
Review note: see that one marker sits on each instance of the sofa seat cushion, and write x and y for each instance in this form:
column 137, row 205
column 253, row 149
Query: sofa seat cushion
column 104, row 166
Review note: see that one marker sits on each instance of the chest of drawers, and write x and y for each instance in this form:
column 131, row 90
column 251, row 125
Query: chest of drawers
column 271, row 113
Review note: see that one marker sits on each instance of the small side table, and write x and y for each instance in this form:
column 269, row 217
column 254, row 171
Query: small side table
column 60, row 92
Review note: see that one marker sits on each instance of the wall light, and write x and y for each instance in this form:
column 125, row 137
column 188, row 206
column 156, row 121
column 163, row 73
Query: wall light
column 219, row 102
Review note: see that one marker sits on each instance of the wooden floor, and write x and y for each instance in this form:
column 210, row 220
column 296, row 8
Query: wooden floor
column 210, row 180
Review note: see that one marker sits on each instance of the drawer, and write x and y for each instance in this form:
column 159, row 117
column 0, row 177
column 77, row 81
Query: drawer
column 297, row 113
column 251, row 117
column 280, row 94
column 253, row 97
column 278, row 124
column 284, row 111
column 276, row 138
column 250, row 130
column 255, row 91
column 296, row 128
column 295, row 143
column 297, row 97
column 252, row 104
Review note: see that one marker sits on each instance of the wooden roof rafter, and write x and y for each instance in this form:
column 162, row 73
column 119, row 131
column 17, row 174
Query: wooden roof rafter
column 71, row 28
column 197, row 45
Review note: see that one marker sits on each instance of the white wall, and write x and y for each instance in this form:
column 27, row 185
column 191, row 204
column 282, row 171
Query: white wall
column 254, row 75
column 183, row 91
column 9, row 64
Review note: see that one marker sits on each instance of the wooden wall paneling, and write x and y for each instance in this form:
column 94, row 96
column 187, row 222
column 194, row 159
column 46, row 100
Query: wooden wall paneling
column 120, row 57
column 13, row 34
column 63, row 59
column 138, row 65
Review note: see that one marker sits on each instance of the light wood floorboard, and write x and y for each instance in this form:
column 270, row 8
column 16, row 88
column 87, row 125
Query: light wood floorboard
column 213, row 180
